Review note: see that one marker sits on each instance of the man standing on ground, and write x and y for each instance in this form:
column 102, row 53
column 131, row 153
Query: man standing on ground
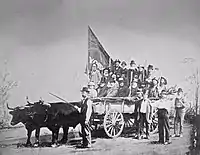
column 86, row 111
column 179, row 113
column 163, row 106
column 145, row 115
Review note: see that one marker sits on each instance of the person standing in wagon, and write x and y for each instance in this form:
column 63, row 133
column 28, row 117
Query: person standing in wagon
column 95, row 75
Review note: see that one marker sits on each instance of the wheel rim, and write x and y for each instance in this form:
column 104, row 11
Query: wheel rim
column 129, row 125
column 154, row 124
column 113, row 123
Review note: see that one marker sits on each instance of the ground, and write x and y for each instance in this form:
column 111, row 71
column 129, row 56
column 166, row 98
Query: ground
column 11, row 144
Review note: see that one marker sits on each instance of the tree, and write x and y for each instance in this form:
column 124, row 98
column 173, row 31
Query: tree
column 6, row 85
column 194, row 81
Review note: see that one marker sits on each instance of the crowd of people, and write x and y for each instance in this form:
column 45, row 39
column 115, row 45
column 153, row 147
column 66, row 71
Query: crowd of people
column 135, row 81
column 120, row 80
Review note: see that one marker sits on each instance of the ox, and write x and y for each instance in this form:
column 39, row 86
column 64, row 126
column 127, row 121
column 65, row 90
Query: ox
column 52, row 115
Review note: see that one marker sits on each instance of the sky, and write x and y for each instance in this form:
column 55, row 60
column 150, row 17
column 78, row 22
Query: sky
column 43, row 43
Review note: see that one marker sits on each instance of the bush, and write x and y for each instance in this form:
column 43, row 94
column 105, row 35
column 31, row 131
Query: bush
column 189, row 115
column 6, row 85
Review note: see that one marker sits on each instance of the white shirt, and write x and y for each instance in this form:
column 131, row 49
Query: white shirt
column 163, row 104
column 144, row 105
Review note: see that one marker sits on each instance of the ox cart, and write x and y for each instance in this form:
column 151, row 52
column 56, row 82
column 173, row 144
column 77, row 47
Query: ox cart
column 118, row 115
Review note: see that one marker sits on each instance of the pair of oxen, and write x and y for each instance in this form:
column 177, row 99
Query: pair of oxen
column 51, row 115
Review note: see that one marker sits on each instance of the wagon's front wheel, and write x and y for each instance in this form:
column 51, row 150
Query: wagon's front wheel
column 113, row 123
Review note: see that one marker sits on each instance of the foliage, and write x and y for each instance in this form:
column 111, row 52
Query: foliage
column 6, row 85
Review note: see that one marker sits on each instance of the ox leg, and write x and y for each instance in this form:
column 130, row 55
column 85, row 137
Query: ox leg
column 37, row 135
column 28, row 142
column 55, row 132
column 65, row 135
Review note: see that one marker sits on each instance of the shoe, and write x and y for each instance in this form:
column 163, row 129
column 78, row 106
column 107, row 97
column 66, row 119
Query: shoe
column 147, row 137
column 86, row 146
column 181, row 135
column 139, row 137
column 175, row 135
column 167, row 142
column 160, row 142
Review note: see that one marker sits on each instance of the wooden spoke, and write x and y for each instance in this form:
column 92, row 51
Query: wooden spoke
column 115, row 124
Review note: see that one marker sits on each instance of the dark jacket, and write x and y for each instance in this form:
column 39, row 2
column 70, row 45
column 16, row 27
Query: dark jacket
column 117, row 71
column 153, row 92
column 123, row 91
column 134, row 92
column 124, row 71
column 129, row 72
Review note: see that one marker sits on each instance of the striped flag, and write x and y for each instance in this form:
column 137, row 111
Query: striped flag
column 96, row 53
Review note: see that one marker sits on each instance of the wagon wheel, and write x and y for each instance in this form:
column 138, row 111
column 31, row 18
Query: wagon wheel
column 153, row 128
column 113, row 123
column 129, row 125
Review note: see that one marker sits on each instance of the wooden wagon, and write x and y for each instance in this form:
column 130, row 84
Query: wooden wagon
column 117, row 115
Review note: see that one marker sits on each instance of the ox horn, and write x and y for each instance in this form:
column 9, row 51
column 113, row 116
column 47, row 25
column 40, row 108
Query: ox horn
column 9, row 107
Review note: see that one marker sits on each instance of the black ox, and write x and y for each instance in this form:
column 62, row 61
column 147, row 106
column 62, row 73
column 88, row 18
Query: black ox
column 51, row 115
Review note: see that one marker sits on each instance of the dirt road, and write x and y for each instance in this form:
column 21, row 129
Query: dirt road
column 126, row 144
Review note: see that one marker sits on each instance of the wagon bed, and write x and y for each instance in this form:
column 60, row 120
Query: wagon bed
column 115, row 114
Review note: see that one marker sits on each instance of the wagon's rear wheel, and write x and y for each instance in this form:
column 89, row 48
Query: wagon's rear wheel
column 153, row 128
column 113, row 123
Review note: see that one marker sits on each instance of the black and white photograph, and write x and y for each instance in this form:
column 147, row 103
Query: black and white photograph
column 93, row 77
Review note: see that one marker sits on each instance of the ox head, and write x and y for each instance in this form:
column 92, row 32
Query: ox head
column 27, row 112
column 18, row 114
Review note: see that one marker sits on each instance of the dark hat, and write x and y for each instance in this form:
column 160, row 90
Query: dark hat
column 165, row 80
column 164, row 92
column 117, row 60
column 180, row 90
column 150, row 67
column 106, row 69
column 112, row 80
column 154, row 79
column 123, row 63
column 132, row 62
column 85, row 89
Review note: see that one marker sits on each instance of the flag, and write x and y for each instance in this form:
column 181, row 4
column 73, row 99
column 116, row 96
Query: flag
column 96, row 53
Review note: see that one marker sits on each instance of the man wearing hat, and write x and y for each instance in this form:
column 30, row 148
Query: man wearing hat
column 141, row 75
column 163, row 106
column 117, row 69
column 123, row 90
column 145, row 111
column 132, row 71
column 113, row 87
column 93, row 92
column 124, row 69
column 95, row 75
column 86, row 111
column 103, row 83
column 179, row 113
column 153, row 89
column 150, row 74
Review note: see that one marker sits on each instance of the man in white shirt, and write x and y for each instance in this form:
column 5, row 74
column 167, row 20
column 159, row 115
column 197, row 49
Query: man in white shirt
column 145, row 115
column 163, row 106
column 179, row 113
column 93, row 92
